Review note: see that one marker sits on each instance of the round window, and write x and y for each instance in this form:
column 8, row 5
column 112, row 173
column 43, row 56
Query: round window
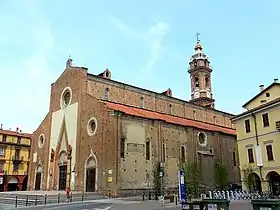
column 92, row 126
column 66, row 97
column 41, row 140
column 202, row 139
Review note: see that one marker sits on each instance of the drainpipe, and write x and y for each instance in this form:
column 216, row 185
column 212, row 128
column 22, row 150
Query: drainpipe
column 257, row 140
column 117, row 171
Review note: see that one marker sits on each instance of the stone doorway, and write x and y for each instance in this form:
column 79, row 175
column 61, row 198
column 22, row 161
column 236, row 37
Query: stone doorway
column 91, row 174
column 38, row 181
column 62, row 177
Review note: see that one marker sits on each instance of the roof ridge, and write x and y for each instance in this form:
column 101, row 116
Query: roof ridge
column 135, row 111
column 165, row 114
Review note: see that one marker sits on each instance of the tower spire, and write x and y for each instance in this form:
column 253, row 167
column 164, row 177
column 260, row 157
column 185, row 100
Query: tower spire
column 200, row 73
column 197, row 37
column 198, row 45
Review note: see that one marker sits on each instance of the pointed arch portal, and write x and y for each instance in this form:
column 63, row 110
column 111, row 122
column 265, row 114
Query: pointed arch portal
column 91, row 174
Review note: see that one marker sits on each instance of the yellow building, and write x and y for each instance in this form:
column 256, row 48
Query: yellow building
column 258, row 139
column 14, row 159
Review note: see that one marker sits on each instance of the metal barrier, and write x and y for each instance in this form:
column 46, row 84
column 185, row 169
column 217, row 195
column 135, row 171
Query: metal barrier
column 37, row 200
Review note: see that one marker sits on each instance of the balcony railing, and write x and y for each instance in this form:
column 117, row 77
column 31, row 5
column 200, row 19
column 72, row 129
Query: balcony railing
column 17, row 158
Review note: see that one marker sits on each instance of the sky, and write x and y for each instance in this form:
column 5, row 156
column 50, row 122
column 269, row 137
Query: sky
column 144, row 43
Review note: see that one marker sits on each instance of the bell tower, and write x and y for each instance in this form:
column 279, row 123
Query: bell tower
column 200, row 75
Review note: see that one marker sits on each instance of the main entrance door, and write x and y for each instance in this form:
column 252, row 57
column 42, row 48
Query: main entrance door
column 38, row 181
column 62, row 177
column 91, row 174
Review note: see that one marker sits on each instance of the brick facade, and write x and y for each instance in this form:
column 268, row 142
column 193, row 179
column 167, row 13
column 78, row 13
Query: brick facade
column 130, row 172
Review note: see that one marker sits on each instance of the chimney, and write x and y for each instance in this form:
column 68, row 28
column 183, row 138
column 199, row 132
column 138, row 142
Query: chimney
column 261, row 87
column 276, row 80
column 17, row 129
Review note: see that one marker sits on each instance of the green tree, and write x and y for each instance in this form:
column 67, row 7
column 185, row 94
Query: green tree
column 192, row 175
column 248, row 178
column 221, row 176
column 158, row 182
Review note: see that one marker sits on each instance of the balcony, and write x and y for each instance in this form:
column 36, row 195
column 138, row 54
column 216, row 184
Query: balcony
column 17, row 159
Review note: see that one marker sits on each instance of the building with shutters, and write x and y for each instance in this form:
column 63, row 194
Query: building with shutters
column 104, row 135
column 258, row 138
column 14, row 159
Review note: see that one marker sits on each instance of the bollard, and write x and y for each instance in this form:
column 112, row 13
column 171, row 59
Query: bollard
column 82, row 197
column 16, row 202
column 36, row 200
column 176, row 199
column 58, row 198
column 150, row 196
column 26, row 202
column 143, row 196
column 71, row 197
column 45, row 199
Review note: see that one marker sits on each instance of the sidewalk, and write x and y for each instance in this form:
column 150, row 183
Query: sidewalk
column 144, row 205
column 38, row 192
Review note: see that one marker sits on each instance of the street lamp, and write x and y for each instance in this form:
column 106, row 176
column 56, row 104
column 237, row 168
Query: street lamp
column 161, row 175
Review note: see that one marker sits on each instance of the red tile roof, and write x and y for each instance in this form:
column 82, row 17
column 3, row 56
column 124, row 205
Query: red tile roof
column 169, row 118
column 15, row 133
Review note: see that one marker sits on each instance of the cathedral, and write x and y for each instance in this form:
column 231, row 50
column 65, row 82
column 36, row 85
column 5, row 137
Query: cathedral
column 103, row 135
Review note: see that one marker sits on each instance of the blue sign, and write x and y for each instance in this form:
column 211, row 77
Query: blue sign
column 182, row 193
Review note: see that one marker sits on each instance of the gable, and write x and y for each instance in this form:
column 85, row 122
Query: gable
column 270, row 93
column 63, row 138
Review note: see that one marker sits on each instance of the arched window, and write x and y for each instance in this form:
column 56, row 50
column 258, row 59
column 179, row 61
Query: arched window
column 163, row 152
column 195, row 64
column 148, row 150
column 142, row 103
column 106, row 94
column 183, row 154
column 207, row 82
column 170, row 109
column 196, row 82
column 122, row 149
column 205, row 63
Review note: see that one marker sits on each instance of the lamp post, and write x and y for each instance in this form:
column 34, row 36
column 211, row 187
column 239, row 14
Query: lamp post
column 161, row 175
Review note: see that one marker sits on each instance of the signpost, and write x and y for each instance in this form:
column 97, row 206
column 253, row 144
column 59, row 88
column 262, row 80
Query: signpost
column 182, row 194
column 1, row 177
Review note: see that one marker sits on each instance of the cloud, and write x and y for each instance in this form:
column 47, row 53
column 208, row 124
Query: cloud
column 154, row 36
column 25, row 44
